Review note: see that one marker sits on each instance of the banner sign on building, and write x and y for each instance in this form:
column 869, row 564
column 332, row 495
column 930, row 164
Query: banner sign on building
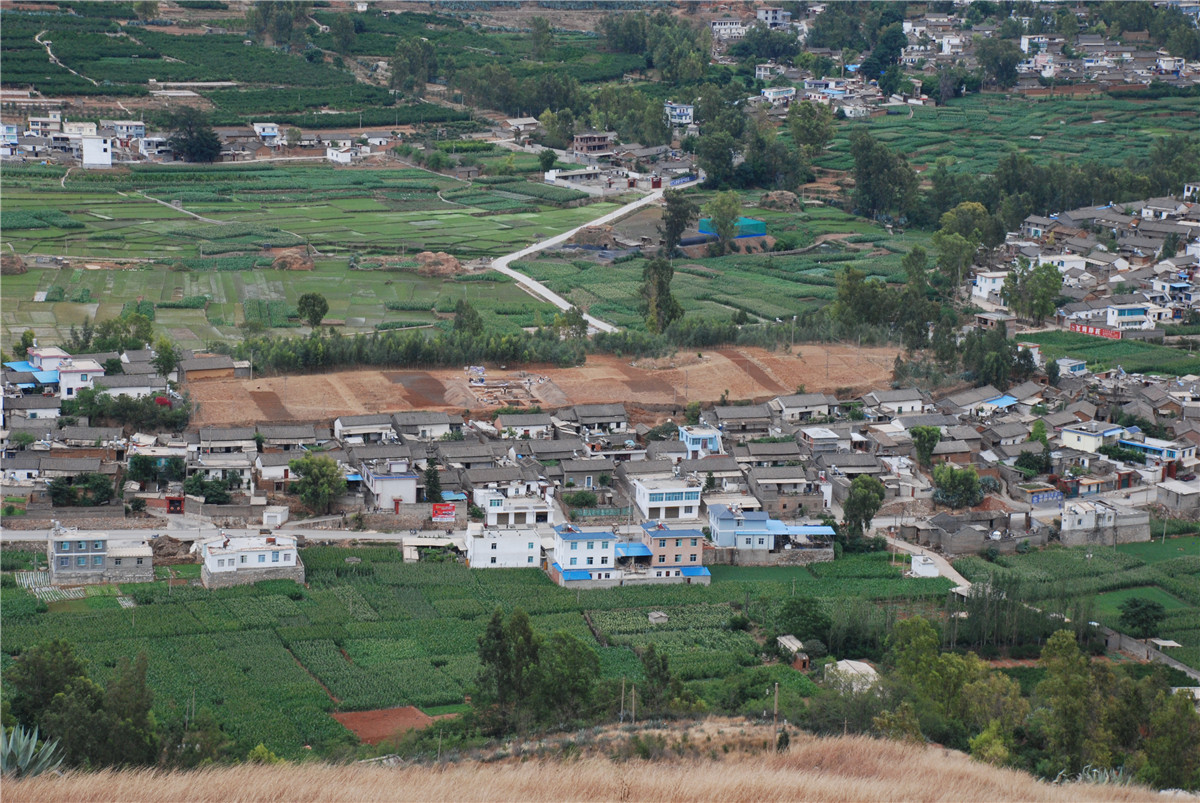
column 1098, row 331
column 443, row 512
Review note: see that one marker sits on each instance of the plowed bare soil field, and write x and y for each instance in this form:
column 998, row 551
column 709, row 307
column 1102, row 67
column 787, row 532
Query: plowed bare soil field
column 742, row 373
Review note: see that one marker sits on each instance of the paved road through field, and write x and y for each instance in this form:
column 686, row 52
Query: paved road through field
column 501, row 264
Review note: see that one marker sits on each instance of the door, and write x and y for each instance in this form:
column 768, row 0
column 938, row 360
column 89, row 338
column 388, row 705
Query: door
column 396, row 506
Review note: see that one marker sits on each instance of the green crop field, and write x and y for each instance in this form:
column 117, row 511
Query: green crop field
column 384, row 633
column 975, row 132
column 767, row 285
column 1168, row 573
column 1135, row 357
column 174, row 256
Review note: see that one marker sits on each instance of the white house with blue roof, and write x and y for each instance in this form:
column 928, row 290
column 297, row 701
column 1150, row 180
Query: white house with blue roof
column 584, row 556
column 755, row 531
column 701, row 441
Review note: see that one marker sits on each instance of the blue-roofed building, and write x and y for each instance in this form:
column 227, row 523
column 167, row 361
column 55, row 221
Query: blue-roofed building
column 584, row 554
column 700, row 441
column 757, row 532
column 598, row 558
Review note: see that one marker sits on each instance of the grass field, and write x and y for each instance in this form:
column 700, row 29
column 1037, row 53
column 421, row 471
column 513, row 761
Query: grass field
column 1108, row 605
column 1133, row 356
column 273, row 660
column 1167, row 573
column 1158, row 550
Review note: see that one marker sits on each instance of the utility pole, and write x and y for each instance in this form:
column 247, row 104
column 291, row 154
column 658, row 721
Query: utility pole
column 775, row 716
column 622, row 699
column 633, row 714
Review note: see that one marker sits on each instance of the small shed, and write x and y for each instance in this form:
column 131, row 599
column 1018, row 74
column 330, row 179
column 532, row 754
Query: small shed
column 793, row 648
column 923, row 566
column 858, row 675
column 275, row 515
column 658, row 618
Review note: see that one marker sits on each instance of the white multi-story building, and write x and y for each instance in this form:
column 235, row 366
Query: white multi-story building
column 583, row 555
column 268, row 133
column 80, row 558
column 230, row 561
column 507, row 498
column 389, row 483
column 988, row 284
column 125, row 129
column 673, row 498
column 74, row 375
column 726, row 29
column 97, row 151
column 679, row 113
column 503, row 549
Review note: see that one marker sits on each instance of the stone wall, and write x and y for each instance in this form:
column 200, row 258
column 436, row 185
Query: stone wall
column 410, row 517
column 110, row 574
column 243, row 577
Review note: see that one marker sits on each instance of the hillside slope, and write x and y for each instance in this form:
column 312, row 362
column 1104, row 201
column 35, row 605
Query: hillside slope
column 814, row 769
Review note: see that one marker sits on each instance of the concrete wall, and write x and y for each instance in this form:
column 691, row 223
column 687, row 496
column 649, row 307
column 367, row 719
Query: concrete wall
column 110, row 574
column 1128, row 529
column 246, row 576
column 952, row 544
column 729, row 556
column 1119, row 641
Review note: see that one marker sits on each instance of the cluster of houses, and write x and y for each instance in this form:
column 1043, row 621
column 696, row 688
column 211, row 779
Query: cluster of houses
column 596, row 500
column 45, row 135
column 1129, row 269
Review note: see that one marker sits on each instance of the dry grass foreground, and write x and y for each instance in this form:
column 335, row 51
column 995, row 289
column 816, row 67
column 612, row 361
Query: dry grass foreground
column 837, row 769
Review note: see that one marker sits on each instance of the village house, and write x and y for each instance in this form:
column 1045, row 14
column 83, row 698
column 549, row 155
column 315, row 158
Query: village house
column 370, row 428
column 803, row 406
column 583, row 555
column 83, row 558
column 502, row 549
column 674, row 552
column 241, row 560
column 511, row 496
column 742, row 423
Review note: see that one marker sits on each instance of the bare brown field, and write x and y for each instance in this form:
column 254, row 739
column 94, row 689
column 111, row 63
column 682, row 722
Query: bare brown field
column 372, row 727
column 742, row 373
column 841, row 769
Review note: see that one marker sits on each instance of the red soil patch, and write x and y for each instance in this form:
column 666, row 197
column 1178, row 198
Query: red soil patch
column 373, row 727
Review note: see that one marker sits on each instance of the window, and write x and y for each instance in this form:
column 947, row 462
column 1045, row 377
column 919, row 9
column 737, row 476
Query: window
column 590, row 560
column 694, row 542
column 97, row 545
column 678, row 542
column 574, row 561
column 748, row 542
column 81, row 560
column 83, row 377
column 243, row 559
column 97, row 560
column 82, row 545
column 139, row 561
column 574, row 545
column 678, row 558
column 65, row 546
column 274, row 557
column 493, row 558
column 604, row 545
column 689, row 510
column 603, row 561
column 495, row 503
column 220, row 562
column 493, row 545
column 662, row 543
column 116, row 561
column 677, row 572
column 529, row 559
column 287, row 557
column 657, row 497
column 530, row 545
column 692, row 557
column 662, row 558
column 591, row 544
column 64, row 562
column 262, row 558
column 762, row 541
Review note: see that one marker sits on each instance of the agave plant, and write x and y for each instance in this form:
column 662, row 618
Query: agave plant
column 21, row 757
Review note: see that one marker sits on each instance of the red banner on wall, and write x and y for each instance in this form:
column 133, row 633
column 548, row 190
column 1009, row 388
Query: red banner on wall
column 1098, row 331
column 443, row 511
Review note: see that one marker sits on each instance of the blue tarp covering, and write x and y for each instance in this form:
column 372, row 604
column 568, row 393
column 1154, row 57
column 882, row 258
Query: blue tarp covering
column 571, row 575
column 1002, row 401
column 46, row 377
column 21, row 365
column 354, row 477
column 453, row 496
column 696, row 571
column 633, row 550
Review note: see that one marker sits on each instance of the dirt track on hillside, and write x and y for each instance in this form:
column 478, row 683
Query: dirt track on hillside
column 664, row 384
